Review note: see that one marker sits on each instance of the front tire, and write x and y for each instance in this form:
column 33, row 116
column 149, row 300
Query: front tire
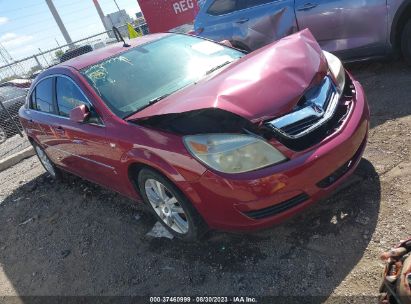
column 46, row 162
column 170, row 206
column 406, row 42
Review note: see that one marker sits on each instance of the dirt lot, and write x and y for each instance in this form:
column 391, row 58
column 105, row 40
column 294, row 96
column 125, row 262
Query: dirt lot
column 74, row 238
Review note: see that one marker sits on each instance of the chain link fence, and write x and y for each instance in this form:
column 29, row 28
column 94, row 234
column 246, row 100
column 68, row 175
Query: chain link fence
column 16, row 78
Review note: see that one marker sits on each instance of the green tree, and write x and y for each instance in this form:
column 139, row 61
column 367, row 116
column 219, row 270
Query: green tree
column 58, row 53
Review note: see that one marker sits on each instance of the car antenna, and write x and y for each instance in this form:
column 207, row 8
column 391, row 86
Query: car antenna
column 119, row 37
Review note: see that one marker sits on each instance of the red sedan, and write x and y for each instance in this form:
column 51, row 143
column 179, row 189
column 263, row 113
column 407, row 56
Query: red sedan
column 206, row 135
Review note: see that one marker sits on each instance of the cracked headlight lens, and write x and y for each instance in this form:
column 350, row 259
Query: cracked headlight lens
column 233, row 153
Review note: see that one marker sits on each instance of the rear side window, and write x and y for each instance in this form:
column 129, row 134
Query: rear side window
column 221, row 7
column 42, row 99
column 252, row 3
column 68, row 96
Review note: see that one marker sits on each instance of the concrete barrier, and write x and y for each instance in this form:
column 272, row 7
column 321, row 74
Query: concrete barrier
column 16, row 158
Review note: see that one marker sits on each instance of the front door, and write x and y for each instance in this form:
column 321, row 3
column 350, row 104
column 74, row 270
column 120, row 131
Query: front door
column 350, row 28
column 85, row 147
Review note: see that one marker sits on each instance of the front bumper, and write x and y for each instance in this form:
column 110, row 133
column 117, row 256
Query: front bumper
column 268, row 196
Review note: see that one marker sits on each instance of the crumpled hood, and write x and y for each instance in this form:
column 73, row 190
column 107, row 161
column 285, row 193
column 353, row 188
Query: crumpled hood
column 264, row 84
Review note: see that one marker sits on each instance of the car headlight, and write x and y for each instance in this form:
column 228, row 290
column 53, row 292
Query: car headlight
column 232, row 153
column 336, row 70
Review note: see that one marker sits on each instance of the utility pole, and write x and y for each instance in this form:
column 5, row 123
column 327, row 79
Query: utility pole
column 60, row 24
column 101, row 14
column 120, row 12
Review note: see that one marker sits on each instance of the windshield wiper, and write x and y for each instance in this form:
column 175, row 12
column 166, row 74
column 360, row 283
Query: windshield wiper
column 217, row 67
column 151, row 102
column 157, row 99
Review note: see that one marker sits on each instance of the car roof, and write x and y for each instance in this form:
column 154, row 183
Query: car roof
column 101, row 54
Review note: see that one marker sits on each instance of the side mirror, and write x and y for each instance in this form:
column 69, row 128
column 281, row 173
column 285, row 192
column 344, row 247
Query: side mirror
column 79, row 114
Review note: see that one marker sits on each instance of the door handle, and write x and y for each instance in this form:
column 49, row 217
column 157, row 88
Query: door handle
column 307, row 6
column 60, row 130
column 243, row 20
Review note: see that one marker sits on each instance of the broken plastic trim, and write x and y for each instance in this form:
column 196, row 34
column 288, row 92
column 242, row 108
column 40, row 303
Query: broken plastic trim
column 211, row 120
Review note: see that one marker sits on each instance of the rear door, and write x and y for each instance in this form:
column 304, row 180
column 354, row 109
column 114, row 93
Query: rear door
column 350, row 28
column 41, row 112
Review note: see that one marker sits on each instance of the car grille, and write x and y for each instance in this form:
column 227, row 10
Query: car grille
column 278, row 208
column 319, row 113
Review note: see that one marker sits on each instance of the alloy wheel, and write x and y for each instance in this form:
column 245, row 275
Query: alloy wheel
column 166, row 205
column 45, row 161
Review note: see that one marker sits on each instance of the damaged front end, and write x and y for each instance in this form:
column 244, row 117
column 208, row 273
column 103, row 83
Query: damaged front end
column 202, row 121
column 291, row 92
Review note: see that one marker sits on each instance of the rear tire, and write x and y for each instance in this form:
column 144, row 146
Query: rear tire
column 406, row 42
column 172, row 209
column 46, row 162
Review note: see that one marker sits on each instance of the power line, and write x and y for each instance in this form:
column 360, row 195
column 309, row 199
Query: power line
column 20, row 8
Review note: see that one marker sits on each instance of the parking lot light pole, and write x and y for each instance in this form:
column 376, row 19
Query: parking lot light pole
column 59, row 22
column 101, row 14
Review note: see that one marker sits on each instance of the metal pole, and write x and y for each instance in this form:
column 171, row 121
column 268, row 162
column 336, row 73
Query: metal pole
column 121, row 13
column 44, row 57
column 101, row 14
column 59, row 22
column 38, row 62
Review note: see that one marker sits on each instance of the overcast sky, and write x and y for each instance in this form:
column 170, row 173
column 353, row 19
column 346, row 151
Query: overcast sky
column 27, row 25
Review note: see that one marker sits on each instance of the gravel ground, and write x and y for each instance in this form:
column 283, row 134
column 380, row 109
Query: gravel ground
column 75, row 238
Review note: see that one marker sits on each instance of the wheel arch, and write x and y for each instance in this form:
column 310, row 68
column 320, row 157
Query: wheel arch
column 32, row 140
column 139, row 159
column 401, row 16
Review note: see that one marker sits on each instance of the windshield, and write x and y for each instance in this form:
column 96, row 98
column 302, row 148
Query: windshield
column 146, row 74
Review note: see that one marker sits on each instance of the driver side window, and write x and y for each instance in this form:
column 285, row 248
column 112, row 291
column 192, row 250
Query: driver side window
column 221, row 7
column 69, row 96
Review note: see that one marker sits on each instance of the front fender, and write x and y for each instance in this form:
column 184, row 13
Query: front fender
column 175, row 166
column 180, row 175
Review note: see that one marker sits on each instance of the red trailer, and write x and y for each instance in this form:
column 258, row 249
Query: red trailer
column 164, row 15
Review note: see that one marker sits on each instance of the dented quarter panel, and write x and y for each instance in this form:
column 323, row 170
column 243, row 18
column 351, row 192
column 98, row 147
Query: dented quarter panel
column 264, row 84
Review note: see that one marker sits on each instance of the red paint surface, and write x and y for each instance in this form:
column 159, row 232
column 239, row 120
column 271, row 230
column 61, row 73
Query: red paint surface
column 164, row 15
column 105, row 154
